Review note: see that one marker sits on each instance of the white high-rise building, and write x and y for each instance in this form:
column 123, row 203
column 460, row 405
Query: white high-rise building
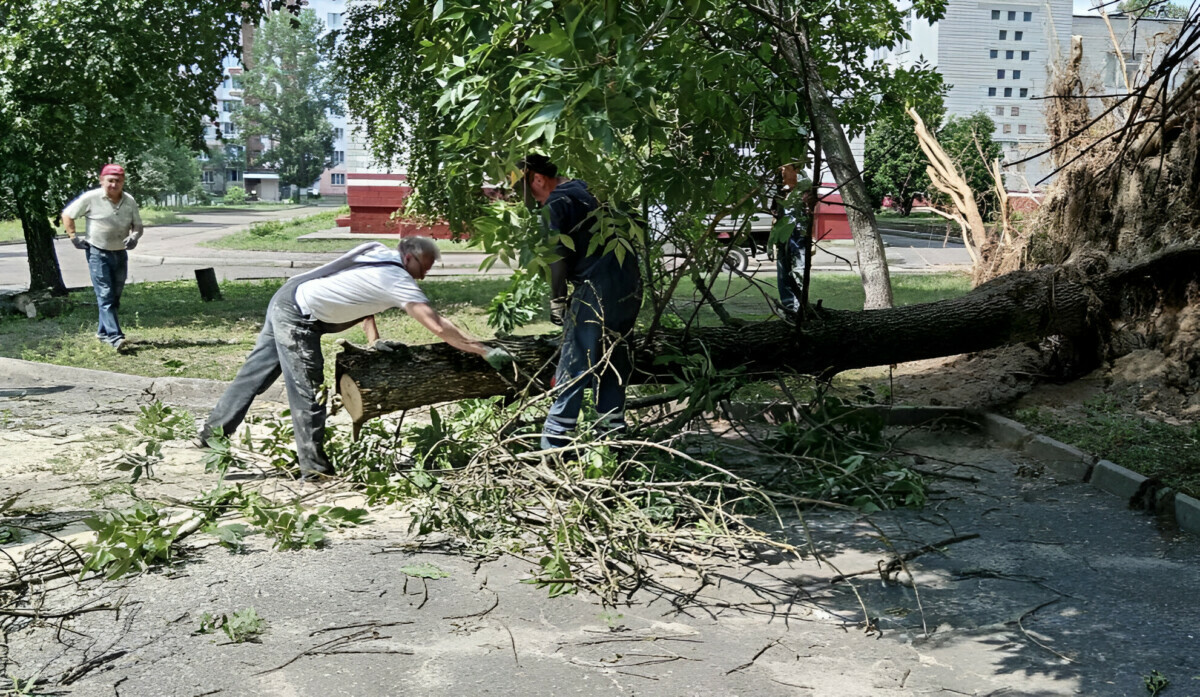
column 260, row 183
column 996, row 57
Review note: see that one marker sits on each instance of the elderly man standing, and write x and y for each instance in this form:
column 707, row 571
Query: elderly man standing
column 114, row 226
column 600, row 311
column 351, row 289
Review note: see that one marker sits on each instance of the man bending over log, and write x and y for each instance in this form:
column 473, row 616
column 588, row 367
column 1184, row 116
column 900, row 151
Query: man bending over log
column 351, row 289
column 599, row 313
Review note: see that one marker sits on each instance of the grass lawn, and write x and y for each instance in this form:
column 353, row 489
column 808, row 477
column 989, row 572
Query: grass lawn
column 172, row 332
column 840, row 291
column 10, row 230
column 281, row 236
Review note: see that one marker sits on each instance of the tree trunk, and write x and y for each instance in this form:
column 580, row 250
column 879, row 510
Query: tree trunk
column 44, row 273
column 1020, row 307
column 868, row 245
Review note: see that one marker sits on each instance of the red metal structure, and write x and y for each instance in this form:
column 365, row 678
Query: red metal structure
column 374, row 200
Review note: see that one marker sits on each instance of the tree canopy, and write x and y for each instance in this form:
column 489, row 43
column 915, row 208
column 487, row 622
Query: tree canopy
column 289, row 88
column 690, row 107
column 1151, row 9
column 82, row 83
column 893, row 164
column 968, row 141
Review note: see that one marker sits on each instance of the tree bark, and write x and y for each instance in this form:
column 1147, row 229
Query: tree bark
column 1020, row 307
column 868, row 245
column 44, row 272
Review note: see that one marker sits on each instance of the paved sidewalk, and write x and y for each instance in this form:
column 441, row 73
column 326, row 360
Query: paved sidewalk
column 1063, row 592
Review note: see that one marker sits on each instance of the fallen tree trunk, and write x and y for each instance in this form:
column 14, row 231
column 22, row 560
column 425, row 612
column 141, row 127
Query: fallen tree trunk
column 1019, row 307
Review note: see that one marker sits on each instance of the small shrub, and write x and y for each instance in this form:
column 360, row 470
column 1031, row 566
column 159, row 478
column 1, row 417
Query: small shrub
column 266, row 228
column 161, row 422
column 235, row 195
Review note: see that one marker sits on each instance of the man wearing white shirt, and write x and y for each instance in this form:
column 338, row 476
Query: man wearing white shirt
column 114, row 226
column 352, row 289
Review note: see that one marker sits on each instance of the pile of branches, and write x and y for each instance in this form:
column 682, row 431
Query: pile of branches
column 597, row 514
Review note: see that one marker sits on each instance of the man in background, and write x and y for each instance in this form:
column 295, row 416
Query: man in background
column 114, row 226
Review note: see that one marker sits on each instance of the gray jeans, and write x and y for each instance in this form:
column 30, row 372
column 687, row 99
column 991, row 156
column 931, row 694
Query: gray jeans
column 289, row 345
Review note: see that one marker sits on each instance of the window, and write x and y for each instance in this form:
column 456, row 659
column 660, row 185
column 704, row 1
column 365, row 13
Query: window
column 337, row 179
column 999, row 111
column 228, row 128
column 995, row 14
column 1024, row 91
column 1017, row 35
column 339, row 156
column 207, row 177
column 1015, row 111
column 1008, row 55
column 339, row 133
column 226, row 82
column 1021, row 129
column 1028, row 16
column 1012, row 16
column 333, row 20
column 1007, row 91
column 236, row 81
column 1003, row 34
column 1007, row 128
column 993, row 53
column 991, row 91
column 203, row 157
column 999, row 74
column 230, row 105
column 1024, row 55
column 233, row 175
column 1016, row 74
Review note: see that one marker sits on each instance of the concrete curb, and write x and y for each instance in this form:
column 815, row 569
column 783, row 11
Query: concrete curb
column 1070, row 464
column 1006, row 432
column 1187, row 513
column 1117, row 480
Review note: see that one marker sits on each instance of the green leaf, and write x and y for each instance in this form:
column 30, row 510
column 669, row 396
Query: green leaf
column 550, row 43
column 424, row 570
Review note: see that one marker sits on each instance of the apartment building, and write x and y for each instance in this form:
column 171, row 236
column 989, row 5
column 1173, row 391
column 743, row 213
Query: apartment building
column 262, row 183
column 996, row 57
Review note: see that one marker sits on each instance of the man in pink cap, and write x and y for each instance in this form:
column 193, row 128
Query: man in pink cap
column 114, row 226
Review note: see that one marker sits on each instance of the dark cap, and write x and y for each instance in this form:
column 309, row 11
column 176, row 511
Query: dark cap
column 538, row 164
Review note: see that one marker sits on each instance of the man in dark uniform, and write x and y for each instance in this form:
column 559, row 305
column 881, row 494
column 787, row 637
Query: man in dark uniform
column 596, row 316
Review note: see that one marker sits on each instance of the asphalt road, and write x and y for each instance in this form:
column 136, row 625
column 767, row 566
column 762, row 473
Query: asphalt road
column 174, row 252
